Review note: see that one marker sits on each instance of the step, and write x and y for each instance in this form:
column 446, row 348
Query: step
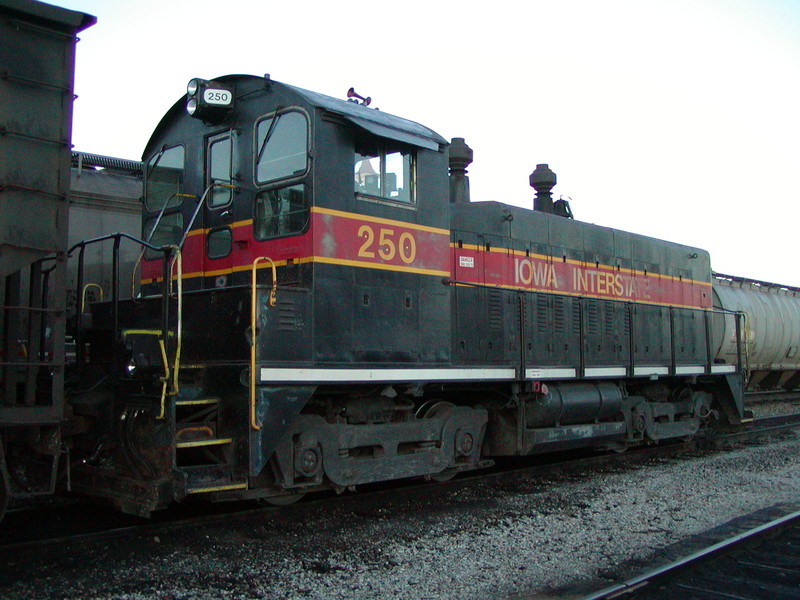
column 191, row 381
column 211, row 479
column 196, row 402
column 223, row 487
column 205, row 442
column 192, row 432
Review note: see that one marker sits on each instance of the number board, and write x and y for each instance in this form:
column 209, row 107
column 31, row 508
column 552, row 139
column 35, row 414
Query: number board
column 218, row 97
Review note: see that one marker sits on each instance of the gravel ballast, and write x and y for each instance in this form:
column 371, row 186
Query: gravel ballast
column 537, row 538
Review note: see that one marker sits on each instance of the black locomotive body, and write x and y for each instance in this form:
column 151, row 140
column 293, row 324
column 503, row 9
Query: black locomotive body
column 339, row 313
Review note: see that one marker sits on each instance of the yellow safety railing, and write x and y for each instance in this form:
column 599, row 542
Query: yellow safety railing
column 272, row 301
column 166, row 380
column 86, row 289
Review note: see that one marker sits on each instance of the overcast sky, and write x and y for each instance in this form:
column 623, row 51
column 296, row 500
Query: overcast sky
column 678, row 119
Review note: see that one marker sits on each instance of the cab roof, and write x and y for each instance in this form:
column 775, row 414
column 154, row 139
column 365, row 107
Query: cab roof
column 370, row 119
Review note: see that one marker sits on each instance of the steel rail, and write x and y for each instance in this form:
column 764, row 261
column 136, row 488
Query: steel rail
column 644, row 579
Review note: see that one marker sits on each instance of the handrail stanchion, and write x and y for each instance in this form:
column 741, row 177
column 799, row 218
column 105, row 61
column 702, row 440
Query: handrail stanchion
column 115, row 299
column 80, row 354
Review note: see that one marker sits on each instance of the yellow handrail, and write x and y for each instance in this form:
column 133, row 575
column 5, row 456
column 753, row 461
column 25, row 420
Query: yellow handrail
column 83, row 294
column 178, row 260
column 273, row 300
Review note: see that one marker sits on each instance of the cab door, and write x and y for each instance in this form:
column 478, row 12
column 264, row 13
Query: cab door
column 217, row 250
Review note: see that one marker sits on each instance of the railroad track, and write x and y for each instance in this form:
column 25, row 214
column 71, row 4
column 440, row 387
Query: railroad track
column 774, row 396
column 22, row 531
column 759, row 562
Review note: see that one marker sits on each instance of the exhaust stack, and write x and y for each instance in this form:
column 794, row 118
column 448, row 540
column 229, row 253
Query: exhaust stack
column 460, row 159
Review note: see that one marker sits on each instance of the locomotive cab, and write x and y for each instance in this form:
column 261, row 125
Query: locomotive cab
column 313, row 184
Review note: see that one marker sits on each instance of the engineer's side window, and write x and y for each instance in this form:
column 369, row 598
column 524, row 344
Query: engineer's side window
column 385, row 174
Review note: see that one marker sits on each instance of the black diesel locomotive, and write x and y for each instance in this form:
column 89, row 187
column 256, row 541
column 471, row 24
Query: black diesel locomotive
column 323, row 307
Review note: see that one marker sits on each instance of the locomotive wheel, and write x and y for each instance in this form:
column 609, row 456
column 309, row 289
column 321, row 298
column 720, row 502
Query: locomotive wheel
column 444, row 476
column 437, row 409
column 284, row 500
column 424, row 407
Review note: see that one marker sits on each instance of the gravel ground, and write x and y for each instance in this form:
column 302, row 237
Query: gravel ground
column 531, row 538
column 773, row 409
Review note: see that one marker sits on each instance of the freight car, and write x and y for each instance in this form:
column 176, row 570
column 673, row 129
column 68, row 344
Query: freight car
column 771, row 330
column 322, row 306
column 37, row 52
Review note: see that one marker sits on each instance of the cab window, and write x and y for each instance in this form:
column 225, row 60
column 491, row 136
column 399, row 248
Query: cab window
column 384, row 172
column 281, row 146
column 220, row 159
column 164, row 179
column 279, row 212
column 168, row 232
column 219, row 243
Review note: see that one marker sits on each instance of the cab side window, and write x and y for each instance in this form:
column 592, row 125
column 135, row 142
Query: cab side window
column 279, row 212
column 281, row 150
column 385, row 172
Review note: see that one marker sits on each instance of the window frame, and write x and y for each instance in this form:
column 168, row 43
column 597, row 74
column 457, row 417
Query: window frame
column 148, row 171
column 154, row 254
column 256, row 147
column 211, row 232
column 210, row 141
column 272, row 188
column 381, row 148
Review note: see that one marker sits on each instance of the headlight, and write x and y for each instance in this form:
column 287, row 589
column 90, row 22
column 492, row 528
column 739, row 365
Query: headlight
column 192, row 87
column 131, row 367
column 136, row 364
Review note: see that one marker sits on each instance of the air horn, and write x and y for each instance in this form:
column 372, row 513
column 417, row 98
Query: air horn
column 351, row 94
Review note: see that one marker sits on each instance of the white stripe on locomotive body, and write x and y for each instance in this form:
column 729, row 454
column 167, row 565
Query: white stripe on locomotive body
column 605, row 372
column 320, row 375
column 690, row 370
column 644, row 371
column 551, row 373
column 289, row 375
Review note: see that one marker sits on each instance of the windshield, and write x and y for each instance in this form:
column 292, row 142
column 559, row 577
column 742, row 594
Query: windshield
column 164, row 179
column 282, row 143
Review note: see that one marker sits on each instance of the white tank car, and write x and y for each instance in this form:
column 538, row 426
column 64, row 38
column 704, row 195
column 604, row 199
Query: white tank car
column 770, row 329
